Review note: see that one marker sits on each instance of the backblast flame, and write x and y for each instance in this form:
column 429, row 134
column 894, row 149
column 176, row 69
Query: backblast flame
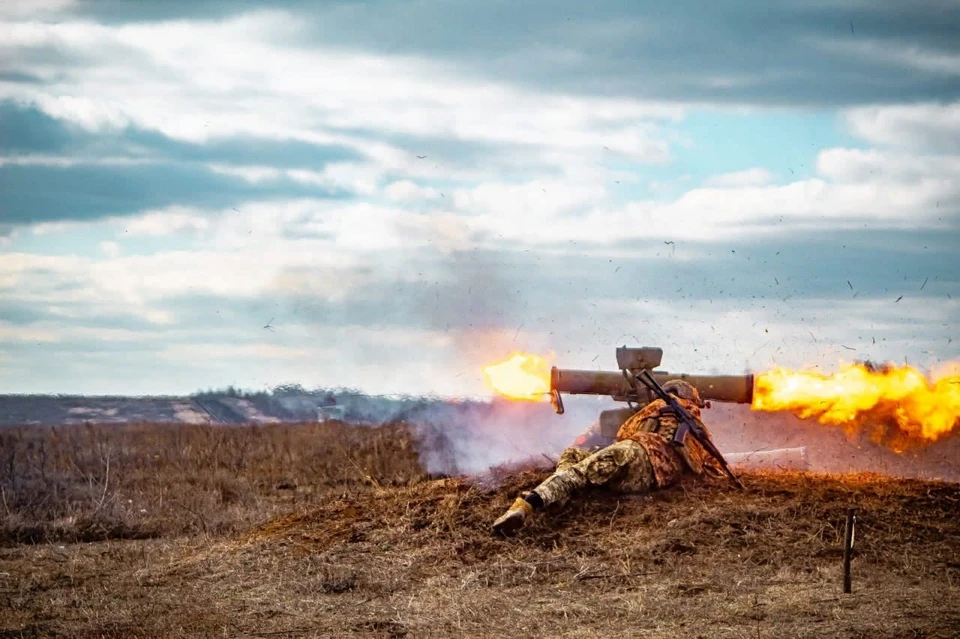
column 522, row 376
column 897, row 405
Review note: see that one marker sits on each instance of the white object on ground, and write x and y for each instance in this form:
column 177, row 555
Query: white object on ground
column 776, row 459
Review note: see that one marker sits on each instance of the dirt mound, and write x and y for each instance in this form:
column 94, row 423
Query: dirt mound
column 698, row 559
column 779, row 517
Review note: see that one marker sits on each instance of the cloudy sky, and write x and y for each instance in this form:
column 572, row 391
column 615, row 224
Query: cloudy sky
column 386, row 195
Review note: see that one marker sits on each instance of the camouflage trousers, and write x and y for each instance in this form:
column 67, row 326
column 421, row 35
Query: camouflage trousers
column 628, row 466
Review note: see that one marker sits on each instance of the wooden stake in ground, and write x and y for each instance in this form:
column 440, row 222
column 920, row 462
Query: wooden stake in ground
column 848, row 535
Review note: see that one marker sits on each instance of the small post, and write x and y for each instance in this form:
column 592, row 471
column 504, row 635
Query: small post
column 848, row 535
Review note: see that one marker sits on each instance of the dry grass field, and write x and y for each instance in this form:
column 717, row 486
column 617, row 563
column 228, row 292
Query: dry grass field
column 325, row 530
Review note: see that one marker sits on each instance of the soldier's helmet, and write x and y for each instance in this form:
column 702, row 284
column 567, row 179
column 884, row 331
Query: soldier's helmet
column 684, row 390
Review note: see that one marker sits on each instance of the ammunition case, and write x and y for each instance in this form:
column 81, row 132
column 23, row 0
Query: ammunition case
column 612, row 420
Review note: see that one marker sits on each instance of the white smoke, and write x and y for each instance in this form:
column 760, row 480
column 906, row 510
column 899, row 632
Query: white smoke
column 453, row 436
column 470, row 439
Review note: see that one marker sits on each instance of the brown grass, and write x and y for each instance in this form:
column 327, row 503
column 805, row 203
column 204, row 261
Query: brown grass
column 366, row 545
column 96, row 482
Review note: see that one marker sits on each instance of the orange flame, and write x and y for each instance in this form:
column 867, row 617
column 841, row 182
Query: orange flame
column 521, row 376
column 899, row 406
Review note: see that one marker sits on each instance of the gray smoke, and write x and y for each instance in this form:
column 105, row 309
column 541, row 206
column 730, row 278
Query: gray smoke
column 470, row 439
column 454, row 437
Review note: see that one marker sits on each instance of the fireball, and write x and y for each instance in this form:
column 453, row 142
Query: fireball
column 521, row 376
column 898, row 405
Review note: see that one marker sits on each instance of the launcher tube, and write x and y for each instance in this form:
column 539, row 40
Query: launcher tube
column 737, row 389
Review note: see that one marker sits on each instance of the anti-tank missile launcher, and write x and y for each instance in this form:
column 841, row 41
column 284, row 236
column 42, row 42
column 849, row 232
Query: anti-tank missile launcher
column 622, row 386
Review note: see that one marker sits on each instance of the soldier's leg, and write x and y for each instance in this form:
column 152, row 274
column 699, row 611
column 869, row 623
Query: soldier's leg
column 609, row 465
column 626, row 468
column 526, row 503
column 623, row 466
column 571, row 456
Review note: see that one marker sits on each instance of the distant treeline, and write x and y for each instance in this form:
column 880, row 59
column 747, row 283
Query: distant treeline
column 294, row 401
column 298, row 390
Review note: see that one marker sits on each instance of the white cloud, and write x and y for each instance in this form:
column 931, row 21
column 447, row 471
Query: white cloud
column 275, row 245
column 58, row 332
column 197, row 68
column 358, row 178
column 189, row 353
column 159, row 222
column 445, row 232
column 929, row 127
column 856, row 189
column 36, row 159
column 50, row 228
column 378, row 359
column 344, row 232
column 750, row 177
column 165, row 222
column 183, row 78
column 859, row 166
column 338, row 249
column 409, row 191
column 110, row 249
column 535, row 199
column 131, row 285
column 93, row 114
column 150, row 278
column 13, row 333
column 254, row 256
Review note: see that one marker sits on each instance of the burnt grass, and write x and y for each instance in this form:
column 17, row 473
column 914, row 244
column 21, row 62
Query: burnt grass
column 327, row 530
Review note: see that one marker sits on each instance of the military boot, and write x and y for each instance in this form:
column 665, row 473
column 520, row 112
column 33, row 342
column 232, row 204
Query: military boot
column 516, row 515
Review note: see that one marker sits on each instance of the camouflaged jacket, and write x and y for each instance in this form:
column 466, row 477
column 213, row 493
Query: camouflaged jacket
column 657, row 417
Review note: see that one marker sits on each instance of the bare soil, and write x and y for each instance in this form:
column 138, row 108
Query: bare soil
column 338, row 533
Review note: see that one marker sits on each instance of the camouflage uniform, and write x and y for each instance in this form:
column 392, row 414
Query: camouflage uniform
column 641, row 460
